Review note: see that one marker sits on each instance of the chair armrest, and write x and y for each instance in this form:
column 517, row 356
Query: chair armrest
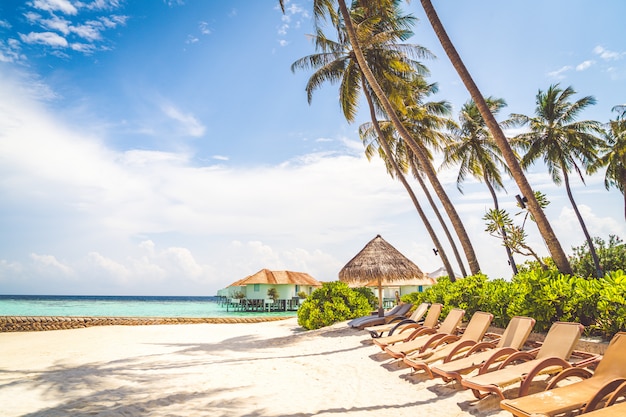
column 568, row 373
column 612, row 387
column 432, row 341
column 518, row 356
column 459, row 348
column 546, row 363
column 481, row 346
column 496, row 358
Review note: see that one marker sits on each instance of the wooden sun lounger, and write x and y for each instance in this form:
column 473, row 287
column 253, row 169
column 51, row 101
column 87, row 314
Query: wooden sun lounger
column 549, row 359
column 610, row 373
column 374, row 320
column 450, row 346
column 426, row 337
column 409, row 330
column 611, row 408
column 487, row 353
column 398, row 322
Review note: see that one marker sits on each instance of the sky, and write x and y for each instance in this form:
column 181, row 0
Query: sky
column 166, row 147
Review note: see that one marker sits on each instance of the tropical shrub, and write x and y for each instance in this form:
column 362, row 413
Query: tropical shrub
column 611, row 309
column 611, row 254
column 367, row 293
column 333, row 302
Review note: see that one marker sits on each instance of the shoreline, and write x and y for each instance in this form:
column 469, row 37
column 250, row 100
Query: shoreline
column 12, row 324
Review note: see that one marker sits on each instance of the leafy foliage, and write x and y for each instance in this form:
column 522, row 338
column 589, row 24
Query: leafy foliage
column 367, row 293
column 333, row 302
column 612, row 255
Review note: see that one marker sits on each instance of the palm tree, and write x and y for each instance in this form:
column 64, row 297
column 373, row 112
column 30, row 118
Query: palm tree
column 553, row 244
column 393, row 168
column 387, row 10
column 476, row 153
column 614, row 153
column 562, row 142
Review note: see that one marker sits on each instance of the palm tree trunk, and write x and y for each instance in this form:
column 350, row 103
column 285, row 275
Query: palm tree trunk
column 592, row 249
column 446, row 230
column 409, row 190
column 554, row 246
column 509, row 254
column 406, row 136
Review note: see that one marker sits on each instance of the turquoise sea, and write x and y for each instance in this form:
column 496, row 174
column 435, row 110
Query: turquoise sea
column 120, row 306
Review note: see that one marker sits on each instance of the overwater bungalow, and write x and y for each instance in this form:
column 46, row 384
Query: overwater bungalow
column 252, row 293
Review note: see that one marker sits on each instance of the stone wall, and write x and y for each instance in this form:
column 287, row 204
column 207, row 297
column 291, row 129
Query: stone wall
column 32, row 324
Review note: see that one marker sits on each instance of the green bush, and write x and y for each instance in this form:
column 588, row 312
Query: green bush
column 333, row 302
column 611, row 254
column 611, row 311
column 369, row 295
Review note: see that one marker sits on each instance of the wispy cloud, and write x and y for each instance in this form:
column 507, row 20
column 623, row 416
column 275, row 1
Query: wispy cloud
column 560, row 73
column 190, row 124
column 585, row 65
column 608, row 55
column 45, row 38
column 63, row 6
column 292, row 19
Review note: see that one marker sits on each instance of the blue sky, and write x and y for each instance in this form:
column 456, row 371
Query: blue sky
column 165, row 147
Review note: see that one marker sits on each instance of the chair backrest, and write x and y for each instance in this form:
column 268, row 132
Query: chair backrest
column 394, row 310
column 614, row 359
column 404, row 308
column 560, row 340
column 477, row 326
column 452, row 321
column 419, row 312
column 516, row 332
column 432, row 318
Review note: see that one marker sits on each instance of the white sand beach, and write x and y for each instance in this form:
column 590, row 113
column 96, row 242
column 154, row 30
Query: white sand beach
column 262, row 369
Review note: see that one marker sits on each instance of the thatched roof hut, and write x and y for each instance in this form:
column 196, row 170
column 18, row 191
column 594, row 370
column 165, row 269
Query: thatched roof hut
column 265, row 276
column 379, row 262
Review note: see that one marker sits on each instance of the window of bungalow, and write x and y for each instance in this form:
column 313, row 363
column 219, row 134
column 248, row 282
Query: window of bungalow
column 257, row 287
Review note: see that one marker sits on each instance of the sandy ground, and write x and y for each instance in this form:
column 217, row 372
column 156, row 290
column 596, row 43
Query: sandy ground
column 262, row 369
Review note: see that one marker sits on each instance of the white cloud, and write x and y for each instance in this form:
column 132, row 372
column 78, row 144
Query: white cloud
column 560, row 72
column 191, row 125
column 64, row 6
column 584, row 65
column 45, row 38
column 49, row 261
column 608, row 55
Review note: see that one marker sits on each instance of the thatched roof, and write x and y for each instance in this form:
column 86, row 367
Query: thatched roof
column 265, row 276
column 378, row 260
column 413, row 282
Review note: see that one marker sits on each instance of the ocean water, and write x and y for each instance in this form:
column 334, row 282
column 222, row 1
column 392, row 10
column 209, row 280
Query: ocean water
column 120, row 306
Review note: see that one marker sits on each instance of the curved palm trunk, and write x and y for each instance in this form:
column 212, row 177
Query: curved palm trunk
column 406, row 136
column 496, row 206
column 592, row 249
column 446, row 230
column 554, row 246
column 409, row 190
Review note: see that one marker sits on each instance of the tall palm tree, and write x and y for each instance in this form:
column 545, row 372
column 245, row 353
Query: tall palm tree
column 476, row 153
column 614, row 153
column 387, row 10
column 381, row 138
column 426, row 121
column 553, row 244
column 563, row 143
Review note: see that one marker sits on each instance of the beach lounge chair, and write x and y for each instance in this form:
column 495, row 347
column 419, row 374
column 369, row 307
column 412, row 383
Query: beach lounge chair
column 450, row 346
column 610, row 373
column 611, row 409
column 423, row 338
column 549, row 359
column 401, row 310
column 407, row 331
column 393, row 311
column 486, row 354
column 397, row 322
